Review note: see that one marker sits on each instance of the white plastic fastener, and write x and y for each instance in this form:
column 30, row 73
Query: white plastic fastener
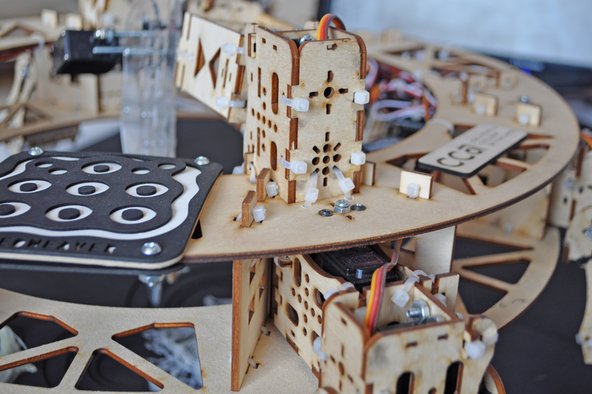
column 413, row 190
column 298, row 104
column 231, row 49
column 312, row 192
column 272, row 189
column 523, row 119
column 358, row 158
column 345, row 184
column 297, row 167
column 361, row 97
column 225, row 102
column 475, row 349
column 259, row 212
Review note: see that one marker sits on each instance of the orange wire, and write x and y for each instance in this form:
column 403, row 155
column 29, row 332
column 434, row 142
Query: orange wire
column 587, row 139
column 380, row 278
column 371, row 299
column 323, row 28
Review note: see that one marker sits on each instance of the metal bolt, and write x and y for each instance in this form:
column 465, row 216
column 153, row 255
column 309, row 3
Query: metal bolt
column 154, row 284
column 151, row 249
column 418, row 311
column 524, row 99
column 304, row 39
column 588, row 232
column 326, row 212
column 201, row 161
column 358, row 207
column 342, row 206
column 35, row 151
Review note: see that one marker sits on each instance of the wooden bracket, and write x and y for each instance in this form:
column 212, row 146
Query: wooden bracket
column 250, row 308
column 433, row 251
column 485, row 104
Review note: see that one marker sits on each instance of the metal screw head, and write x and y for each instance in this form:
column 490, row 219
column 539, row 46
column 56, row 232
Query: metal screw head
column 524, row 99
column 151, row 280
column 342, row 206
column 588, row 232
column 358, row 207
column 326, row 212
column 35, row 151
column 418, row 311
column 201, row 161
column 151, row 249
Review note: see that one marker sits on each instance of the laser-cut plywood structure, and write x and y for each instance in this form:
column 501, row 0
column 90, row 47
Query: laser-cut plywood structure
column 234, row 68
column 326, row 74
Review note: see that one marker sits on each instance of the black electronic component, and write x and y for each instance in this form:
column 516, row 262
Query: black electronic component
column 73, row 53
column 356, row 265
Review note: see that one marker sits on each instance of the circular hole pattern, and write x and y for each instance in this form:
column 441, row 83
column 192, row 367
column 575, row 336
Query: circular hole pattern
column 144, row 190
column 336, row 158
column 326, row 171
column 11, row 209
column 31, row 186
column 326, row 159
column 316, row 161
column 68, row 213
column 86, row 189
column 328, row 92
column 101, row 168
column 132, row 215
column 7, row 209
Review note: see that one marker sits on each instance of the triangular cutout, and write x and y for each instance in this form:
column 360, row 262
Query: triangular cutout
column 200, row 59
column 508, row 272
column 213, row 64
column 478, row 298
column 468, row 247
column 41, row 371
column 107, row 372
column 174, row 349
column 35, row 329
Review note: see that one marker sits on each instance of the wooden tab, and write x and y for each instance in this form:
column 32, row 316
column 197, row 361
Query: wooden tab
column 262, row 179
column 247, row 209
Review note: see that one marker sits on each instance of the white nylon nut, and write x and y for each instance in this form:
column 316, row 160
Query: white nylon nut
column 272, row 189
column 361, row 97
column 358, row 158
column 475, row 349
column 259, row 212
column 413, row 190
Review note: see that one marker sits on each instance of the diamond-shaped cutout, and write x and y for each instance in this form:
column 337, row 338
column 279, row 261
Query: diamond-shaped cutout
column 107, row 372
column 35, row 329
column 46, row 370
column 200, row 59
column 173, row 348
column 213, row 65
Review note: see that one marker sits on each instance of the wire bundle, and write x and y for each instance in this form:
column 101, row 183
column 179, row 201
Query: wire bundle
column 586, row 136
column 377, row 288
column 325, row 22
